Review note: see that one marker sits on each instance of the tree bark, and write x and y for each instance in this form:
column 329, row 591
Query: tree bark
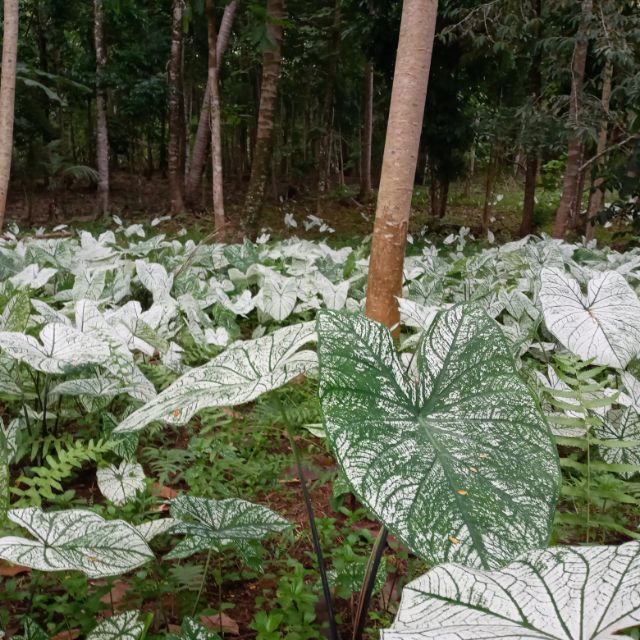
column 216, row 137
column 531, row 170
column 400, row 159
column 574, row 151
column 7, row 98
column 367, row 138
column 175, row 158
column 102, row 133
column 597, row 195
column 201, row 141
column 324, row 151
column 263, row 148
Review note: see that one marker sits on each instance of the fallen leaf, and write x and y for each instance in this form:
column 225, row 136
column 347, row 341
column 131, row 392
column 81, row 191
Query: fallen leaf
column 69, row 634
column 221, row 621
column 11, row 570
column 117, row 593
column 163, row 491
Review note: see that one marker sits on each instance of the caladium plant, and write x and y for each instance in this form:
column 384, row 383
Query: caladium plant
column 75, row 540
column 433, row 458
column 564, row 593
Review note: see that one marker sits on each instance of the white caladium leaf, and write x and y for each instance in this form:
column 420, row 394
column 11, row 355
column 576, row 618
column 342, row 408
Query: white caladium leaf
column 632, row 385
column 211, row 522
column 8, row 440
column 218, row 337
column 33, row 277
column 240, row 374
column 334, row 296
column 278, row 296
column 121, row 484
column 48, row 314
column 122, row 626
column 426, row 458
column 75, row 540
column 61, row 348
column 191, row 629
column 563, row 593
column 154, row 278
column 620, row 428
column 96, row 387
column 155, row 528
column 413, row 314
column 603, row 325
column 15, row 314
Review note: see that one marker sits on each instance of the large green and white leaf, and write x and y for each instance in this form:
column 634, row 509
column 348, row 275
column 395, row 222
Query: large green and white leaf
column 75, row 540
column 242, row 373
column 31, row 630
column 155, row 528
column 60, row 349
column 603, row 325
column 563, row 593
column 620, row 431
column 121, row 484
column 9, row 439
column 155, row 279
column 433, row 460
column 211, row 522
column 122, row 626
column 191, row 629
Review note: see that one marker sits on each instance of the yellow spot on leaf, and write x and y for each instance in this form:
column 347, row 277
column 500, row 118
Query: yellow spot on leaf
column 473, row 469
column 462, row 492
column 176, row 413
column 454, row 540
column 483, row 455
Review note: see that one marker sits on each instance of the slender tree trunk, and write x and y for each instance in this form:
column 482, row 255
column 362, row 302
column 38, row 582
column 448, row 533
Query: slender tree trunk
column 597, row 195
column 266, row 116
column 175, row 157
column 444, row 197
column 324, row 150
column 102, row 134
column 531, row 170
column 201, row 141
column 7, row 98
column 367, row 138
column 574, row 151
column 216, row 137
column 488, row 190
column 528, row 209
column 402, row 145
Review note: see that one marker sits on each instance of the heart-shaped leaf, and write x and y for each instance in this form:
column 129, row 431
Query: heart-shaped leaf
column 243, row 372
column 603, row 325
column 121, row 484
column 434, row 460
column 564, row 593
column 75, row 540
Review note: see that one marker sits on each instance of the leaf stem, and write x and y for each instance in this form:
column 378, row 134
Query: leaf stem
column 204, row 579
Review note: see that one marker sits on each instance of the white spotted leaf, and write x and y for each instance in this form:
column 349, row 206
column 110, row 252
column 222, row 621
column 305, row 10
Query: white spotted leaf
column 604, row 325
column 563, row 593
column 75, row 540
column 121, row 484
column 122, row 626
column 240, row 374
column 433, row 458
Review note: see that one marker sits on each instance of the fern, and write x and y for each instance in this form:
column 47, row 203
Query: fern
column 44, row 481
column 597, row 496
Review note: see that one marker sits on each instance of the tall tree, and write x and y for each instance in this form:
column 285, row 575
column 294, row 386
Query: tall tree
column 202, row 138
column 367, row 137
column 102, row 134
column 408, row 98
column 175, row 158
column 575, row 147
column 216, row 137
column 263, row 148
column 7, row 97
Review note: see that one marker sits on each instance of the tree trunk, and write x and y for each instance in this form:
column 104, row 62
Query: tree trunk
column 102, row 134
column 7, row 98
column 201, row 141
column 367, row 139
column 531, row 170
column 402, row 144
column 266, row 116
column 528, row 208
column 445, row 183
column 175, row 157
column 488, row 190
column 324, row 151
column 574, row 151
column 597, row 196
column 216, row 137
